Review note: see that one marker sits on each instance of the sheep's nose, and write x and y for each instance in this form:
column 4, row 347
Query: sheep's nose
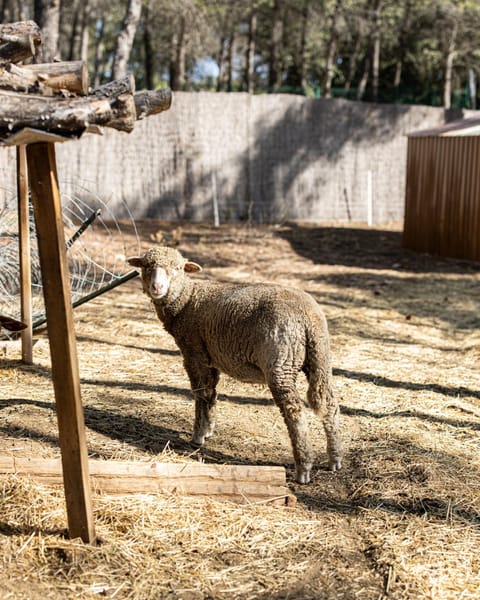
column 159, row 282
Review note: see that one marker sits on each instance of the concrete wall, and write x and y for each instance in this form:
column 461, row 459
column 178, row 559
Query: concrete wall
column 269, row 157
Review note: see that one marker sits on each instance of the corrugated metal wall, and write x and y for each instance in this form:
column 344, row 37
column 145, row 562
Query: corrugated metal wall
column 442, row 204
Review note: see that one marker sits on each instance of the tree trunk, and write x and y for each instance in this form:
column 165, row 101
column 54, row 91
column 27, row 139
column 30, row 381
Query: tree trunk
column 221, row 63
column 12, row 11
column 402, row 45
column 231, row 46
column 4, row 11
column 99, row 51
column 85, row 36
column 148, row 48
column 331, row 51
column 447, row 89
column 177, row 57
column 250, row 52
column 47, row 15
column 274, row 75
column 125, row 38
column 352, row 62
column 376, row 49
column 302, row 72
column 362, row 86
column 74, row 34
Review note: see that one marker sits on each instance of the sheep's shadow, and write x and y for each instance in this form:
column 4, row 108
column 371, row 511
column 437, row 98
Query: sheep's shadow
column 7, row 529
column 328, row 492
column 135, row 431
column 381, row 381
column 116, row 342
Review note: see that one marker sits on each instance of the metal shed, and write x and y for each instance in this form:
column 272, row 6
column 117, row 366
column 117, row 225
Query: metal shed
column 442, row 203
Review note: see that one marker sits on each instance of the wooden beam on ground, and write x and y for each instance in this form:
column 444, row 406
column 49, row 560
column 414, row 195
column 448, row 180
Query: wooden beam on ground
column 24, row 251
column 42, row 175
column 236, row 483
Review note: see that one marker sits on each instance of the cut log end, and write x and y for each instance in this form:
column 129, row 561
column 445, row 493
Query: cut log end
column 152, row 102
column 18, row 41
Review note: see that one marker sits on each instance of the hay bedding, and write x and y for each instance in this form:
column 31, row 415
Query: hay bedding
column 402, row 520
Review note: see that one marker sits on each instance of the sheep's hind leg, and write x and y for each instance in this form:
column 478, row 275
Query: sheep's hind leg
column 330, row 412
column 291, row 406
column 204, row 392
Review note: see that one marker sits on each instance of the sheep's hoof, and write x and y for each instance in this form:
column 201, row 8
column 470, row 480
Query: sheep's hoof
column 303, row 475
column 335, row 464
column 197, row 441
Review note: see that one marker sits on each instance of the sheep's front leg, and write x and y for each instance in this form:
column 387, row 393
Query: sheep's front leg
column 204, row 382
column 290, row 404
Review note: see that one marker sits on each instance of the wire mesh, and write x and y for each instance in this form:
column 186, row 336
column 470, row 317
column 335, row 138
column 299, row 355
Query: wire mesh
column 97, row 247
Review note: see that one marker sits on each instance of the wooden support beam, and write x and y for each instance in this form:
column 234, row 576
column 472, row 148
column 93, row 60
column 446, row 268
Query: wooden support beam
column 236, row 483
column 24, row 251
column 42, row 174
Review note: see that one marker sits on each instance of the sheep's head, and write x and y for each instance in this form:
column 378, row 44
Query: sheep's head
column 162, row 267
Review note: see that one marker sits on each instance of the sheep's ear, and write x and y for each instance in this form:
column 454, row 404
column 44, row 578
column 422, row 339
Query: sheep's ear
column 191, row 267
column 135, row 261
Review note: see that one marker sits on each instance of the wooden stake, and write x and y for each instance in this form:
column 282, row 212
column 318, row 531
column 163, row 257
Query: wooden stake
column 42, row 173
column 235, row 483
column 24, row 250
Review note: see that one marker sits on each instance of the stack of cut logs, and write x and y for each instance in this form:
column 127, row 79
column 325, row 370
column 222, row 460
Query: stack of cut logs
column 56, row 98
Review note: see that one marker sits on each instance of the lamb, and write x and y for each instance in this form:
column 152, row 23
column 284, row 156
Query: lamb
column 259, row 333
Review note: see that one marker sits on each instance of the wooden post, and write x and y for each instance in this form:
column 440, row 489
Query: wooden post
column 24, row 251
column 42, row 173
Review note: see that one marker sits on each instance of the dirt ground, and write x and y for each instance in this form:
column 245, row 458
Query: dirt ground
column 402, row 518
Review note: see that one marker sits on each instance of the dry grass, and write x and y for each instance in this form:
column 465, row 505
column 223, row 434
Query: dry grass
column 401, row 520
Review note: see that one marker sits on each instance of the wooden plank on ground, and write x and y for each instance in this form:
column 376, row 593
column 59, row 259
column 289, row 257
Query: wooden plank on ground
column 42, row 175
column 237, row 483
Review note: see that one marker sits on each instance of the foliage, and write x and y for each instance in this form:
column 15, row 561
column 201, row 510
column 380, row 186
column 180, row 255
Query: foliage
column 426, row 51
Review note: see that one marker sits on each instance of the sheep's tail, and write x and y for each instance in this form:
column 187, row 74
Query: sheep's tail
column 318, row 369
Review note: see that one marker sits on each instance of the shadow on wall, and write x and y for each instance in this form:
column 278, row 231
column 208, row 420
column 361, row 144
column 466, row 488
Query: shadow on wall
column 314, row 133
column 284, row 158
column 268, row 158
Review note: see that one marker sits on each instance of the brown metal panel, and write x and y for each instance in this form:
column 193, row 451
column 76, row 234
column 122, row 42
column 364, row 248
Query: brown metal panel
column 434, row 197
column 410, row 194
column 463, row 178
column 448, row 237
column 473, row 222
column 442, row 200
column 426, row 194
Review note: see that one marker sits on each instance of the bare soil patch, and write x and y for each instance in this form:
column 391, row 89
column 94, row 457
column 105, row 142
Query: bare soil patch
column 400, row 521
